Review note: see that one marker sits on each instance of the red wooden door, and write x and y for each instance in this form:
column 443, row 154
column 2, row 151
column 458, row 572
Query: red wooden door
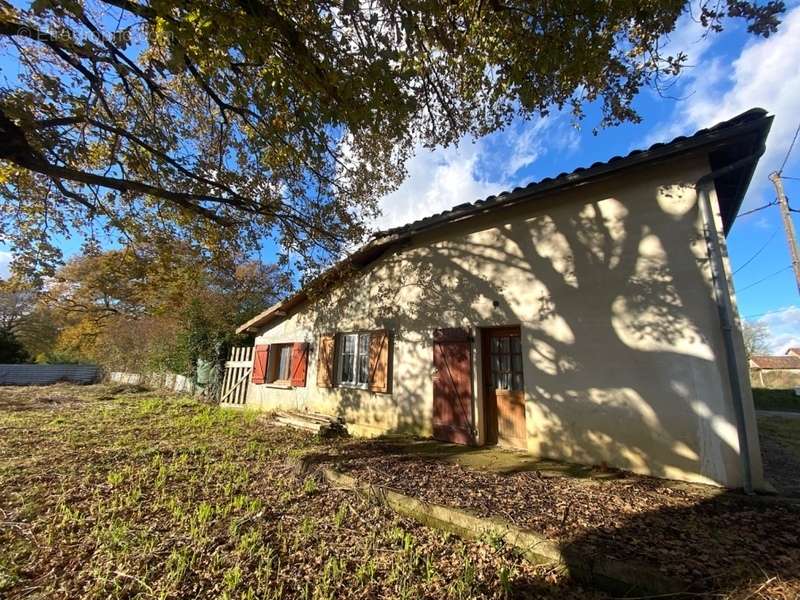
column 452, row 387
column 505, row 396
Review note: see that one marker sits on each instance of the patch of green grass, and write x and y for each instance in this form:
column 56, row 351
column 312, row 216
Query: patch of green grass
column 134, row 495
column 765, row 399
column 785, row 431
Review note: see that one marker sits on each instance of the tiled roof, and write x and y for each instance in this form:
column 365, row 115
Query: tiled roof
column 795, row 351
column 776, row 362
column 678, row 144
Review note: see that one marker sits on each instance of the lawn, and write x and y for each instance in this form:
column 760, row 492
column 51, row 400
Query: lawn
column 766, row 399
column 118, row 493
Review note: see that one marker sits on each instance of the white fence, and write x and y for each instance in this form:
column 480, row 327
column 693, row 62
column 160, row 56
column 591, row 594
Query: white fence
column 163, row 381
column 48, row 374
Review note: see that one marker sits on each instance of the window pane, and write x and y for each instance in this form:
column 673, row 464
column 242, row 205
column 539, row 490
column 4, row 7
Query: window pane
column 272, row 364
column 505, row 381
column 285, row 360
column 504, row 344
column 517, row 382
column 348, row 358
column 363, row 358
column 515, row 346
column 516, row 362
column 495, row 345
column 505, row 362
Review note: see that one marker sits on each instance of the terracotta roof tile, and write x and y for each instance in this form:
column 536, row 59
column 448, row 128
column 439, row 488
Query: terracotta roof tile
column 776, row 362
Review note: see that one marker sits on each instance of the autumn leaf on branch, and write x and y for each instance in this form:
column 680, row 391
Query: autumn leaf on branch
column 225, row 123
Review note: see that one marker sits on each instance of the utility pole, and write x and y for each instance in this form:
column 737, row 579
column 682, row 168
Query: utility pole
column 775, row 177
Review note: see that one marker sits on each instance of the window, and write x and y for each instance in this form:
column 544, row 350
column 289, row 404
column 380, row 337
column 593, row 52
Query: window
column 354, row 359
column 280, row 359
column 506, row 362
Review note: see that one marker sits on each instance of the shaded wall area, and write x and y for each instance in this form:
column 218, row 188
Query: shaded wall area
column 609, row 284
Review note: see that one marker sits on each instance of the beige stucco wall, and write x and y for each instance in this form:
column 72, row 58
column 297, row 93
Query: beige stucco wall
column 609, row 283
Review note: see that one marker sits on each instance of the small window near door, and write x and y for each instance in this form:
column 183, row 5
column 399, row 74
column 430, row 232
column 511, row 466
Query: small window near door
column 506, row 362
column 354, row 359
column 280, row 359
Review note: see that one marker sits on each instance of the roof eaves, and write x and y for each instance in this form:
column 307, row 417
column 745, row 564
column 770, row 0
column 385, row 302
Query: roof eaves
column 752, row 119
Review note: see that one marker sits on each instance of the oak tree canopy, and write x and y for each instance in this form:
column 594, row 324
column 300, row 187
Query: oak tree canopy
column 225, row 121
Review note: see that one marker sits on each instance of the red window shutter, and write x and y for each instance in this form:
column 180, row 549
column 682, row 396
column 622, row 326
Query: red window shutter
column 299, row 364
column 260, row 358
column 379, row 357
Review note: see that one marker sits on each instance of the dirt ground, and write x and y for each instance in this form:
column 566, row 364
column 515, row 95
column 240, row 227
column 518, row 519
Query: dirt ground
column 120, row 493
column 720, row 542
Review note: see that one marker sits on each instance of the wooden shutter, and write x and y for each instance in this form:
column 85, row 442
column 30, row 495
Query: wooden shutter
column 299, row 364
column 260, row 359
column 379, row 342
column 325, row 356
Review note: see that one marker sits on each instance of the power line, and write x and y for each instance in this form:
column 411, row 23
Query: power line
column 792, row 178
column 755, row 283
column 789, row 151
column 759, row 251
column 750, row 212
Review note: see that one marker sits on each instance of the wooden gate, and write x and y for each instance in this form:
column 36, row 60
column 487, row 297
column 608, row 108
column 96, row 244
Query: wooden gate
column 452, row 387
column 238, row 368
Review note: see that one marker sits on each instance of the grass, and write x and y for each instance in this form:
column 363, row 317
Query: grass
column 784, row 431
column 106, row 493
column 766, row 399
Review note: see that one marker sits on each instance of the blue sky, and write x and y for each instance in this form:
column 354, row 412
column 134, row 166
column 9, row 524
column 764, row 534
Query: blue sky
column 731, row 72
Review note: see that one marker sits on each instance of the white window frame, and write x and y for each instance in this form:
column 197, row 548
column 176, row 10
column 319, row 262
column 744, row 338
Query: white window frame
column 340, row 360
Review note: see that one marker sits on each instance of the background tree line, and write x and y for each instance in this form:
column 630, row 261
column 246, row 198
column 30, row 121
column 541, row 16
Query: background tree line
column 148, row 308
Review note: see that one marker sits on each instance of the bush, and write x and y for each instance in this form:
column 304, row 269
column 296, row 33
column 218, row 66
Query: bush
column 765, row 399
column 11, row 349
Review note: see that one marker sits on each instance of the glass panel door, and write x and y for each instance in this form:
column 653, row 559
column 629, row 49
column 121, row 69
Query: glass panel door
column 506, row 362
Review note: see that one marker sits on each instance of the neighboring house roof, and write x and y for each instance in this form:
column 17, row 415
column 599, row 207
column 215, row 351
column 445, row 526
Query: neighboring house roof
column 794, row 351
column 725, row 143
column 775, row 362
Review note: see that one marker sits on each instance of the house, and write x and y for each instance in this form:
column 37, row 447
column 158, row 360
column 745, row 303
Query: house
column 586, row 318
column 776, row 371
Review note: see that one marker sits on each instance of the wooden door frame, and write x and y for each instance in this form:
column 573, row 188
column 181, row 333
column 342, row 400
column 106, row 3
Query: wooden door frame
column 489, row 426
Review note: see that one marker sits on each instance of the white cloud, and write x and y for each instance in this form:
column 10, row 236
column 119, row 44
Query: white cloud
column 440, row 179
column 689, row 37
column 765, row 74
column 437, row 180
column 5, row 259
column 784, row 328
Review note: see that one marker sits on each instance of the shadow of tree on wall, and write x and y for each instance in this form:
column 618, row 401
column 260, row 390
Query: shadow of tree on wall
column 614, row 307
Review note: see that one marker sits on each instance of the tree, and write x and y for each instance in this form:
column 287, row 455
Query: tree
column 225, row 122
column 153, row 308
column 11, row 349
column 17, row 299
column 756, row 338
